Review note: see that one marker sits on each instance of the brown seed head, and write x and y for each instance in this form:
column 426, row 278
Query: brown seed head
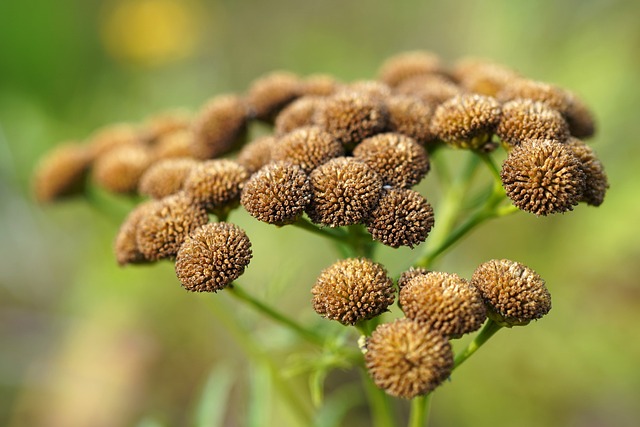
column 553, row 96
column 307, row 147
column 443, row 302
column 406, row 360
column 125, row 245
column 61, row 172
column 157, row 127
column 343, row 192
column 543, row 177
column 269, row 94
column 579, row 117
column 352, row 290
column 513, row 293
column 410, row 116
column 373, row 88
column 297, row 114
column 596, row 182
column 174, row 145
column 524, row 119
column 257, row 153
column 119, row 170
column 219, row 126
column 432, row 89
column 320, row 85
column 399, row 68
column 482, row 76
column 406, row 276
column 216, row 184
column 165, row 177
column 212, row 257
column 112, row 136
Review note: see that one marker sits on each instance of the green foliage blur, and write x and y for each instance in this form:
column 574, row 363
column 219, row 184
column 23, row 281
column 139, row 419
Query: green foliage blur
column 84, row 342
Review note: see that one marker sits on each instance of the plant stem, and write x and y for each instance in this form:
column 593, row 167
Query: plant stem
column 488, row 330
column 381, row 410
column 420, row 411
column 329, row 233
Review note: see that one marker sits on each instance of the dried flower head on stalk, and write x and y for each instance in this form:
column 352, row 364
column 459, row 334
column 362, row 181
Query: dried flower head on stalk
column 62, row 172
column 524, row 119
column 216, row 184
column 307, row 147
column 219, row 126
column 165, row 177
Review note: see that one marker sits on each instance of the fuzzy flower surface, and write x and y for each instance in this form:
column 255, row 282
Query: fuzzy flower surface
column 307, row 147
column 219, row 126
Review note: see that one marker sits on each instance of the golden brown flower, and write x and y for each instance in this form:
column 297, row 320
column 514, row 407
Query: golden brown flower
column 482, row 76
column 277, row 194
column 307, row 147
column 343, row 192
column 112, row 136
column 410, row 116
column 372, row 88
column 125, row 245
column 216, row 184
column 443, row 302
column 165, row 177
column 164, row 227
column 158, row 126
column 543, row 177
column 120, row 169
column 551, row 95
column 398, row 159
column 174, row 145
column 352, row 290
column 402, row 218
column 513, row 293
column 219, row 126
column 272, row 92
column 257, row 153
column 212, row 257
column 579, row 117
column 524, row 119
column 61, row 172
column 406, row 276
column 432, row 89
column 407, row 360
column 319, row 85
column 297, row 114
column 398, row 68
column 596, row 182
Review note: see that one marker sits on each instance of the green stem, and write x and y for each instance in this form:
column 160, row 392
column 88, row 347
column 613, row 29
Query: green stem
column 420, row 411
column 329, row 233
column 379, row 403
column 488, row 330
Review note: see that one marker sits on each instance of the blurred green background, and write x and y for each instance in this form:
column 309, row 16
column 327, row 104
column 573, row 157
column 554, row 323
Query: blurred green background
column 84, row 342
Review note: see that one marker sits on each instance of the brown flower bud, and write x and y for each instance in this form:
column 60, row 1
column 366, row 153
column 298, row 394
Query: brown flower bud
column 543, row 177
column 551, row 95
column 216, row 184
column 400, row 67
column 482, row 76
column 524, row 119
column 320, row 85
column 402, row 218
column 157, row 127
column 344, row 191
column 406, row 276
column 410, row 116
column 399, row 160
column 307, row 147
column 596, row 182
column 407, row 360
column 219, row 126
column 297, row 114
column 579, row 117
column 212, row 257
column 165, row 177
column 61, row 172
column 371, row 88
column 174, row 145
column 272, row 92
column 432, row 89
column 466, row 121
column 120, row 169
column 257, row 153
column 125, row 245
column 513, row 293
column 352, row 290
column 164, row 227
column 443, row 302
column 113, row 136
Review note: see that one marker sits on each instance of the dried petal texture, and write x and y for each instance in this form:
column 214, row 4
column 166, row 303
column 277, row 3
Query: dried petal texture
column 400, row 67
column 466, row 121
column 165, row 177
column 399, row 160
column 157, row 127
column 579, row 117
column 406, row 276
column 320, row 85
column 219, row 126
column 343, row 192
column 410, row 116
column 119, row 170
column 432, row 89
column 216, row 184
column 513, row 293
column 406, row 360
column 543, row 177
column 482, row 76
column 61, row 172
column 212, row 257
column 297, row 114
column 401, row 218
column 271, row 93
column 257, row 153
column 551, row 95
column 277, row 194
column 524, row 119
column 443, row 302
column 125, row 245
column 113, row 136
column 165, row 226
column 351, row 117
column 353, row 290
column 174, row 145
column 307, row 147
column 596, row 182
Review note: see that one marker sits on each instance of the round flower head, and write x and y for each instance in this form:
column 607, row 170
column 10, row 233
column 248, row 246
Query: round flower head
column 553, row 96
column 373, row 88
column 125, row 245
column 543, row 177
column 352, row 290
column 174, row 145
column 307, row 147
column 269, row 94
column 113, row 136
column 219, row 126
column 351, row 117
column 157, row 127
column 399, row 160
column 443, row 302
column 432, row 89
column 120, row 169
column 257, row 153
column 513, row 293
column 410, row 116
column 62, row 172
column 524, row 119
column 406, row 276
column 466, row 121
column 579, row 117
column 297, row 114
column 167, row 223
column 216, row 184
column 400, row 67
column 596, row 182
column 482, row 76
column 402, row 218
column 320, row 85
column 165, row 177
column 212, row 257
column 343, row 192
column 406, row 360
column 277, row 194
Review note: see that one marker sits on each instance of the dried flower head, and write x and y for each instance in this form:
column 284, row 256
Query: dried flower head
column 407, row 360
column 402, row 218
column 174, row 145
column 219, row 126
column 596, row 182
column 277, row 194
column 524, row 119
column 443, row 302
column 579, row 117
column 307, row 147
column 119, row 170
column 257, row 153
column 157, row 127
column 400, row 67
column 112, row 136
column 216, row 184
column 343, row 192
column 297, row 114
column 320, row 85
column 269, row 94
column 372, row 88
column 398, row 159
column 482, row 76
column 62, row 172
column 352, row 290
column 406, row 276
column 125, row 245
column 351, row 117
column 513, row 293
column 165, row 177
column 466, row 121
column 410, row 116
column 212, row 257
column 551, row 95
column 543, row 177
column 432, row 89
column 166, row 224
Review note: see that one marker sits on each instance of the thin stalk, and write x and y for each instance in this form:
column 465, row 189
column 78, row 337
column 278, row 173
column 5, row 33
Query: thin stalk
column 329, row 233
column 379, row 403
column 419, row 416
column 488, row 330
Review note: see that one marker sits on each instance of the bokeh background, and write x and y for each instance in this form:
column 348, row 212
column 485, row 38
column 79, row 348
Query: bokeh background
column 84, row 342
